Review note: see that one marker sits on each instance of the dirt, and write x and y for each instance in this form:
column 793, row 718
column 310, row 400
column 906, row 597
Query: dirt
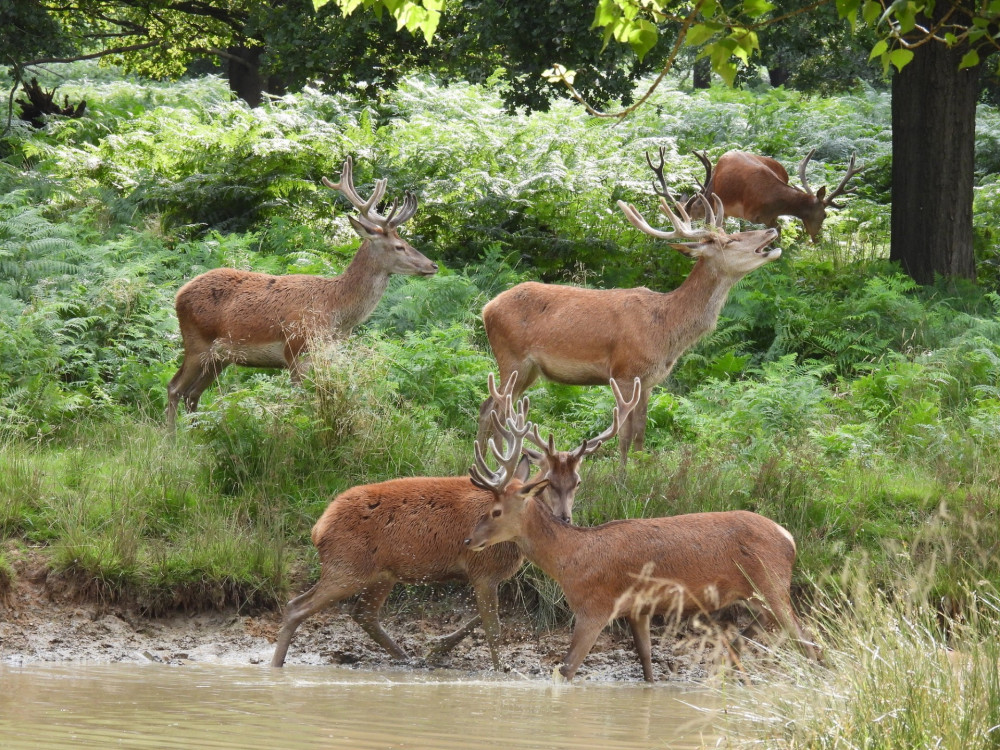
column 41, row 622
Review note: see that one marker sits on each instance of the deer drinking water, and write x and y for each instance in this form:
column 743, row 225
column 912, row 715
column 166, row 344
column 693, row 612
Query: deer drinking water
column 635, row 568
column 228, row 316
column 413, row 531
column 756, row 188
column 590, row 336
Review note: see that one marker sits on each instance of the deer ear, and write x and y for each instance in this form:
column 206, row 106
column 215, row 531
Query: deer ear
column 523, row 469
column 821, row 193
column 532, row 489
column 690, row 250
column 365, row 229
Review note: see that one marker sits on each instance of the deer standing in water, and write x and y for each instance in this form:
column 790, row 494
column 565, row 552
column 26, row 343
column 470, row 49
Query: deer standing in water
column 413, row 531
column 590, row 336
column 636, row 568
column 228, row 316
column 756, row 188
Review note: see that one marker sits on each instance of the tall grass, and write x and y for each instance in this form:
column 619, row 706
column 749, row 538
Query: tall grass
column 900, row 674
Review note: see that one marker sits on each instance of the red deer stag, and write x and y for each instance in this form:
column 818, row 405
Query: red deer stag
column 413, row 531
column 590, row 336
column 636, row 568
column 756, row 188
column 228, row 316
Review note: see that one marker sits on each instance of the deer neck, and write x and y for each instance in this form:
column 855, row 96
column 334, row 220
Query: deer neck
column 546, row 541
column 358, row 289
column 692, row 309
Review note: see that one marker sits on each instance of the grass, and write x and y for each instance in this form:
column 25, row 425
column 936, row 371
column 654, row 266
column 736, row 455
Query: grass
column 901, row 674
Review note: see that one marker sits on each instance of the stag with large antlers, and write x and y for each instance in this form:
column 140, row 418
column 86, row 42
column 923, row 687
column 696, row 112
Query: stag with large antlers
column 756, row 188
column 638, row 567
column 590, row 336
column 413, row 531
column 228, row 316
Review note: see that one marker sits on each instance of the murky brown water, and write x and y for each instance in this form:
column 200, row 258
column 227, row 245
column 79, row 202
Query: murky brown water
column 156, row 706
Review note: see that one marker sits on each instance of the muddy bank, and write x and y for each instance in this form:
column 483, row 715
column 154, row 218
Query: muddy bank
column 41, row 622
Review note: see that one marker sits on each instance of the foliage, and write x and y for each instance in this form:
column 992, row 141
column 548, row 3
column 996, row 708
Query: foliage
column 835, row 396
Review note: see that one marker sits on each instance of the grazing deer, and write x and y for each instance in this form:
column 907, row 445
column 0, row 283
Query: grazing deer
column 756, row 188
column 636, row 568
column 228, row 316
column 413, row 531
column 590, row 336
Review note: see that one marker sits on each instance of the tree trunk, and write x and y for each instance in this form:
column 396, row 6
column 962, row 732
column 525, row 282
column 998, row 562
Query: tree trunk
column 701, row 75
column 244, row 74
column 933, row 145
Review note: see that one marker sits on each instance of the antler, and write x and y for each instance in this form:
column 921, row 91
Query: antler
column 682, row 222
column 840, row 189
column 511, row 429
column 663, row 192
column 618, row 416
column 367, row 208
column 802, row 172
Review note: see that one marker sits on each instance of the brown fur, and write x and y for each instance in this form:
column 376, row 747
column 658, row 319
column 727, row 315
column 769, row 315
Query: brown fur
column 228, row 316
column 635, row 568
column 756, row 188
column 588, row 336
column 411, row 531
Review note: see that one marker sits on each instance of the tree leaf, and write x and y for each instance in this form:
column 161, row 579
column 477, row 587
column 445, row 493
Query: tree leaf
column 900, row 57
column 969, row 59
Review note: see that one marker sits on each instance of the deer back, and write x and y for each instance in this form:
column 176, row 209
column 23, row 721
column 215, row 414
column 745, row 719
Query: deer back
column 756, row 188
column 411, row 528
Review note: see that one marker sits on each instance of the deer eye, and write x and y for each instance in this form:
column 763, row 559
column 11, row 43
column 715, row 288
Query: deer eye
column 497, row 513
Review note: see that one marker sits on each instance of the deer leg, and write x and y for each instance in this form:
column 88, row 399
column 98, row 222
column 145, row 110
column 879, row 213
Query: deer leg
column 639, row 625
column 297, row 360
column 585, row 633
column 488, row 606
column 365, row 614
column 777, row 609
column 446, row 643
column 638, row 417
column 302, row 607
column 189, row 382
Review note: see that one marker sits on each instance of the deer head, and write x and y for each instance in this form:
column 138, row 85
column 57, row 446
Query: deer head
column 736, row 254
column 388, row 249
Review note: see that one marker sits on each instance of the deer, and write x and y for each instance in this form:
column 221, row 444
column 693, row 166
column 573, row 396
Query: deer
column 636, row 568
column 756, row 188
column 582, row 336
column 230, row 316
column 412, row 530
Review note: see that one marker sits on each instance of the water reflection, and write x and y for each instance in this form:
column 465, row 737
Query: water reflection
column 156, row 706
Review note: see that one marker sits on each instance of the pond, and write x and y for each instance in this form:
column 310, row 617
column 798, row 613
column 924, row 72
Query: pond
column 211, row 706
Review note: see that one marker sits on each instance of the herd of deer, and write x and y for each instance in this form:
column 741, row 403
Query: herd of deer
column 479, row 528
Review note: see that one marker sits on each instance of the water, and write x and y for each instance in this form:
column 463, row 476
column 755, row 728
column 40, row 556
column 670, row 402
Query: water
column 158, row 706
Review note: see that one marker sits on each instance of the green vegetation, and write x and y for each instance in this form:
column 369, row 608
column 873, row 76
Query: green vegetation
column 858, row 409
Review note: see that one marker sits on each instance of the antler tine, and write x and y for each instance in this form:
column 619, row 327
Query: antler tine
column 658, row 171
column 707, row 163
column 618, row 415
column 842, row 188
column 802, row 172
column 346, row 188
column 406, row 213
column 682, row 228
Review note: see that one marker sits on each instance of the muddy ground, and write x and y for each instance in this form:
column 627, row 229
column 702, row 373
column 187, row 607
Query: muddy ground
column 41, row 622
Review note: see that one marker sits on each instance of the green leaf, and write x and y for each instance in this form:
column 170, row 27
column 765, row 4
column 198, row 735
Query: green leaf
column 880, row 48
column 969, row 59
column 317, row 4
column 642, row 38
column 701, row 33
column 900, row 57
column 871, row 12
column 755, row 8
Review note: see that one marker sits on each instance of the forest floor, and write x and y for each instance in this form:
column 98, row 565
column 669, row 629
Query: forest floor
column 42, row 621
